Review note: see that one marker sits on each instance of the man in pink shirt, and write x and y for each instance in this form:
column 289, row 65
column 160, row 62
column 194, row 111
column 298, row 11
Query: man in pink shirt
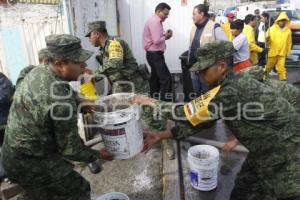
column 154, row 38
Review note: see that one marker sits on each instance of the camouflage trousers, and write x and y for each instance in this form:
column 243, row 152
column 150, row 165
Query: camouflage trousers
column 70, row 187
column 49, row 178
column 248, row 186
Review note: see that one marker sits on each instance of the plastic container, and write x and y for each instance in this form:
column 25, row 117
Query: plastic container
column 203, row 161
column 121, row 126
column 113, row 196
column 88, row 90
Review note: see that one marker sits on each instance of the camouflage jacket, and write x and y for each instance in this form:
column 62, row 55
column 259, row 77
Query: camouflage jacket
column 286, row 90
column 118, row 64
column 23, row 73
column 42, row 126
column 269, row 127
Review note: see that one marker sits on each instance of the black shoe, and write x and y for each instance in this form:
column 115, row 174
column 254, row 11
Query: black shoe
column 94, row 167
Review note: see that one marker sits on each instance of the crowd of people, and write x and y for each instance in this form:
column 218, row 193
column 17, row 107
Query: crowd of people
column 229, row 77
column 269, row 41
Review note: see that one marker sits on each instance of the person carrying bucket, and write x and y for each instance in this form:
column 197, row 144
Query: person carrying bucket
column 42, row 134
column 117, row 63
column 262, row 120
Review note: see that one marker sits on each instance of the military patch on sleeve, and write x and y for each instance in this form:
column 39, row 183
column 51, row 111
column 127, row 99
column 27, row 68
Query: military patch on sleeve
column 197, row 110
column 115, row 50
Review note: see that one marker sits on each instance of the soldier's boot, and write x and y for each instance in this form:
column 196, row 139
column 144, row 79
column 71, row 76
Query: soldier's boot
column 94, row 167
column 168, row 148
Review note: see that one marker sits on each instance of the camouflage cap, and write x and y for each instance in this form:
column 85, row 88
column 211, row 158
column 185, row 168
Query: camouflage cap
column 66, row 46
column 42, row 53
column 95, row 26
column 212, row 52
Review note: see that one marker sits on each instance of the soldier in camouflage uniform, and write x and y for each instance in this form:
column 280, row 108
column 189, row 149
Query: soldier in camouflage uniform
column 286, row 90
column 116, row 60
column 42, row 134
column 117, row 63
column 262, row 120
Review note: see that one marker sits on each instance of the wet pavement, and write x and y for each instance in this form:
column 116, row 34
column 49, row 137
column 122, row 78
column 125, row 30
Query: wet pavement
column 139, row 177
column 229, row 165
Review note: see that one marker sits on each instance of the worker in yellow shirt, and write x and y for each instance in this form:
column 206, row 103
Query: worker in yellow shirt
column 250, row 24
column 226, row 25
column 279, row 39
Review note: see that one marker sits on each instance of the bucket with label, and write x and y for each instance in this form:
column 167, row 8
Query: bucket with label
column 113, row 196
column 120, row 125
column 203, row 161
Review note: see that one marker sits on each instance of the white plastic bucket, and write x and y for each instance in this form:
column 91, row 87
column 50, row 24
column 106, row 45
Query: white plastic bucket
column 203, row 161
column 113, row 196
column 121, row 129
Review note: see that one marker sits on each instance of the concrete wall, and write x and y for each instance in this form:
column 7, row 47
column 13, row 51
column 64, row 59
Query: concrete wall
column 133, row 15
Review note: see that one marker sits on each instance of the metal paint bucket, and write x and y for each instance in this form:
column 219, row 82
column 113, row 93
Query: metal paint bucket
column 121, row 126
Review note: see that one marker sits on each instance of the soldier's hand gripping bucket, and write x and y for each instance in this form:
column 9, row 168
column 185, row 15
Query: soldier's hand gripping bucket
column 203, row 161
column 120, row 125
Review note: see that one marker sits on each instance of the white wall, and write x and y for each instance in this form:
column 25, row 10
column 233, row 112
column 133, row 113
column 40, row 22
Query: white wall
column 81, row 12
column 296, row 3
column 133, row 15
